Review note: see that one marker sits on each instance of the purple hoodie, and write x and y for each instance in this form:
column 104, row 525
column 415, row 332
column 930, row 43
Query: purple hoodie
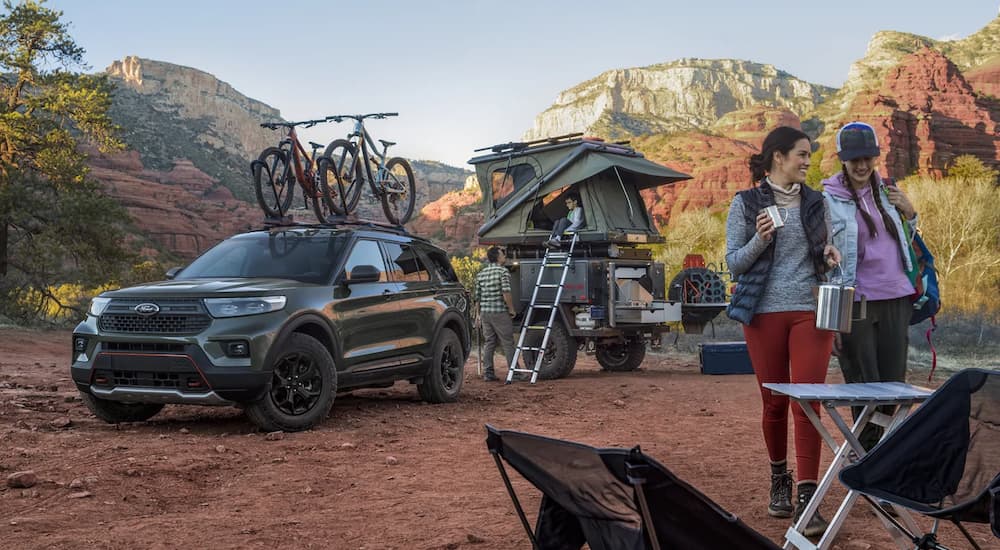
column 879, row 272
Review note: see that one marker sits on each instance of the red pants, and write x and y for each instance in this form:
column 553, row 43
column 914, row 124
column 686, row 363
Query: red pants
column 787, row 347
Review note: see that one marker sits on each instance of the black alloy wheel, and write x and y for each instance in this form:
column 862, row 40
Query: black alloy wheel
column 297, row 384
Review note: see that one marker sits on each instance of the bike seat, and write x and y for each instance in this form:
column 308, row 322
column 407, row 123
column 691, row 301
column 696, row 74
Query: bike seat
column 386, row 143
column 315, row 145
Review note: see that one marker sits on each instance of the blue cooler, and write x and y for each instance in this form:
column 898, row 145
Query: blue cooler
column 724, row 358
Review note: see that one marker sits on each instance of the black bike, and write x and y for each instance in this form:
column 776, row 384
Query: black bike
column 391, row 180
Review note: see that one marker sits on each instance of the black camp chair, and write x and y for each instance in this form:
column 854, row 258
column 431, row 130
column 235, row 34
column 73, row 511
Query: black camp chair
column 943, row 461
column 613, row 499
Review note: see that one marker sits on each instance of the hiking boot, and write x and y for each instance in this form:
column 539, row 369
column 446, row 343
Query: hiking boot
column 490, row 377
column 817, row 525
column 781, row 495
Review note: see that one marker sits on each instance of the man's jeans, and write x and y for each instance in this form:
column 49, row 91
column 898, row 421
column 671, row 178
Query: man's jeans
column 497, row 327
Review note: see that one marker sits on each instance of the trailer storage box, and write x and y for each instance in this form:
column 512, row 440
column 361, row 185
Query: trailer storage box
column 724, row 358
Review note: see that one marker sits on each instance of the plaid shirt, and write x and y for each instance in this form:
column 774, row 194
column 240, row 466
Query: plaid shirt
column 491, row 282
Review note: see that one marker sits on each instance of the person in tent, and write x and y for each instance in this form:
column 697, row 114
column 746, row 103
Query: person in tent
column 572, row 223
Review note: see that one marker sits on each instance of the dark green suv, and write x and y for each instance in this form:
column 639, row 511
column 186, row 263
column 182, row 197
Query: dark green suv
column 278, row 321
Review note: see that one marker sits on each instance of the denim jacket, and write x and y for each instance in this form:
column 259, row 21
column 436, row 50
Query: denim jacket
column 844, row 225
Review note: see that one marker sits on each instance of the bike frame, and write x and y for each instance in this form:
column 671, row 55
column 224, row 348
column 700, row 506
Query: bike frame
column 296, row 153
column 367, row 152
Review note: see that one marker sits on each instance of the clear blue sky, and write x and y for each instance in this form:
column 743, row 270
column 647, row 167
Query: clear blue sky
column 470, row 73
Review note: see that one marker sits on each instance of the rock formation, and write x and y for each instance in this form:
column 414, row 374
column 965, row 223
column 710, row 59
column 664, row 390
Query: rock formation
column 684, row 95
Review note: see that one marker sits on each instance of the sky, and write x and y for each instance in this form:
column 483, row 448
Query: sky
column 468, row 74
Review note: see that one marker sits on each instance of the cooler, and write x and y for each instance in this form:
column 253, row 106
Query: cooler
column 724, row 358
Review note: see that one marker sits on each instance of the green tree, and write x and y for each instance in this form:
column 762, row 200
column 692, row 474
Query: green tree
column 56, row 227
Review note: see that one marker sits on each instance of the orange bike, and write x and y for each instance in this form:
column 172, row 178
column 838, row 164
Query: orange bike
column 278, row 168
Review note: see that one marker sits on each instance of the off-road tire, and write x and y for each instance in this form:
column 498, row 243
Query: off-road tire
column 301, row 357
column 273, row 195
column 114, row 412
column 443, row 381
column 623, row 356
column 560, row 353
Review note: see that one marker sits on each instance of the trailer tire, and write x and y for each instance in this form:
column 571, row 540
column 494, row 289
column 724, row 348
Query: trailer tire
column 560, row 353
column 622, row 356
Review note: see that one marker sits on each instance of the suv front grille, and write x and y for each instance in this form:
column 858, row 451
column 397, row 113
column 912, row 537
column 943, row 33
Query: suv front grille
column 182, row 381
column 143, row 346
column 174, row 317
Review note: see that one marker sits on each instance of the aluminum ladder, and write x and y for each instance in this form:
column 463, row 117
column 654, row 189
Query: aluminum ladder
column 554, row 259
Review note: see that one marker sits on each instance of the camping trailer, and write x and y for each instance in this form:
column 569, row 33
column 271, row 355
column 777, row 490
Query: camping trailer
column 614, row 299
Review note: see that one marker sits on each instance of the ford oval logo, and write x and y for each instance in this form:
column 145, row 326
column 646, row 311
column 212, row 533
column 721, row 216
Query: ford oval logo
column 147, row 309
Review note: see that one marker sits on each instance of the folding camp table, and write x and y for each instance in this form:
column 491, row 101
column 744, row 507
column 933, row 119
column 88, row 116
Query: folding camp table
column 869, row 396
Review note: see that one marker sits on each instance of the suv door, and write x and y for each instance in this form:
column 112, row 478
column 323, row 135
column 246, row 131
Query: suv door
column 368, row 325
column 418, row 310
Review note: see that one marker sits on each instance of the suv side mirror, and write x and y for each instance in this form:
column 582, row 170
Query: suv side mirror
column 364, row 274
column 173, row 271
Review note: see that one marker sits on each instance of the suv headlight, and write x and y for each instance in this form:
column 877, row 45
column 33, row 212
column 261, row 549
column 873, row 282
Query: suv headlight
column 237, row 307
column 97, row 306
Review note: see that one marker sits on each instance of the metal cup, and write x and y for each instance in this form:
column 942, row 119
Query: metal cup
column 774, row 213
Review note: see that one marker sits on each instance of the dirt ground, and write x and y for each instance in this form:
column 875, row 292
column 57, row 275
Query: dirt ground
column 384, row 471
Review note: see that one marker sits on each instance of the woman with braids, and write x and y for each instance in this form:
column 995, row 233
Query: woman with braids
column 776, row 269
column 867, row 221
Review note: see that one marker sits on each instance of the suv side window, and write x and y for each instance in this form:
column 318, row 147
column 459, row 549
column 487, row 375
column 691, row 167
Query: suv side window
column 365, row 253
column 441, row 266
column 405, row 263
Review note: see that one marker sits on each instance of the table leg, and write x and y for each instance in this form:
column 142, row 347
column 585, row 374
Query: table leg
column 794, row 536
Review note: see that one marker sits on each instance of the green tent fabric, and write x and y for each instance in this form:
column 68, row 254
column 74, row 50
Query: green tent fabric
column 607, row 177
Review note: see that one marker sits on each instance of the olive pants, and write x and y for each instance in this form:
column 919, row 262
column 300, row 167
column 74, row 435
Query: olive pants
column 876, row 350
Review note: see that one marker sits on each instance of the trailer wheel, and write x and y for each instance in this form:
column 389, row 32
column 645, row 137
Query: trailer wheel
column 622, row 356
column 560, row 353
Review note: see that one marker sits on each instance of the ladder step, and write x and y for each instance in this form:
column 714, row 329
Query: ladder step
column 530, row 348
column 557, row 255
column 556, row 265
column 542, row 306
column 537, row 327
column 557, row 285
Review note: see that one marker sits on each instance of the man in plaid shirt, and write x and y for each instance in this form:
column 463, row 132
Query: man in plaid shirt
column 492, row 293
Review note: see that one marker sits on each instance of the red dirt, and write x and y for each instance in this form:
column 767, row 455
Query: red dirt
column 197, row 477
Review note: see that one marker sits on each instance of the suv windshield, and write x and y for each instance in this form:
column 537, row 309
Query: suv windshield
column 307, row 255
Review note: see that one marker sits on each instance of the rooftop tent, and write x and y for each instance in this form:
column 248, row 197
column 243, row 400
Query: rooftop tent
column 523, row 190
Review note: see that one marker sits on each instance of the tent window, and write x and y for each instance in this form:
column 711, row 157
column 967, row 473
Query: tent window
column 507, row 180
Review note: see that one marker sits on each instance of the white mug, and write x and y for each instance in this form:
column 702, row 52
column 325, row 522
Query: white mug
column 777, row 215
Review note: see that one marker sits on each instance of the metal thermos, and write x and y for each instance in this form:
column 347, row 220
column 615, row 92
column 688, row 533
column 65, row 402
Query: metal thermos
column 835, row 306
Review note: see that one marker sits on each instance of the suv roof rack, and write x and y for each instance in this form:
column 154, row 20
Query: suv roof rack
column 335, row 222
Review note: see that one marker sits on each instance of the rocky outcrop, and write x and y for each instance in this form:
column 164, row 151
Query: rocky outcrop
column 985, row 79
column 453, row 219
column 231, row 119
column 886, row 50
column 182, row 211
column 684, row 95
column 926, row 114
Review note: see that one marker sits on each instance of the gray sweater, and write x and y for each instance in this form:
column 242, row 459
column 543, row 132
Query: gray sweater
column 791, row 279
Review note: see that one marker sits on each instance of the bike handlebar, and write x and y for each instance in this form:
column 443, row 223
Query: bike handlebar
column 282, row 124
column 359, row 118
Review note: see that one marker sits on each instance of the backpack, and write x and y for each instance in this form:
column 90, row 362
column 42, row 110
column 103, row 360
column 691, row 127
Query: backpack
column 927, row 298
column 922, row 275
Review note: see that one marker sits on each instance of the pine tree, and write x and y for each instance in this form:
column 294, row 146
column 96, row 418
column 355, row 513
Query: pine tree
column 56, row 226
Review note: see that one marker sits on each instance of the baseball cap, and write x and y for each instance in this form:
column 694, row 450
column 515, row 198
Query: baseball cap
column 857, row 140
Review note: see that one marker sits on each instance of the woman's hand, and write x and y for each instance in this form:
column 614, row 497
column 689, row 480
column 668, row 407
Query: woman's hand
column 765, row 226
column 902, row 203
column 832, row 255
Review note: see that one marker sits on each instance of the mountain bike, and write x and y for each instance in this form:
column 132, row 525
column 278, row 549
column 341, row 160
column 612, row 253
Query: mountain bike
column 278, row 168
column 356, row 160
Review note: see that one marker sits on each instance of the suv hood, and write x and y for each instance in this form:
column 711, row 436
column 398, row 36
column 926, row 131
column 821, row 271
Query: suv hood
column 208, row 288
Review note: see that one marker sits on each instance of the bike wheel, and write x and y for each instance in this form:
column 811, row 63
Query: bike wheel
column 342, row 177
column 321, row 199
column 398, row 191
column 271, row 183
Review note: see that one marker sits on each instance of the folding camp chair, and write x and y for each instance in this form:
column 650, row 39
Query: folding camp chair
column 613, row 499
column 943, row 461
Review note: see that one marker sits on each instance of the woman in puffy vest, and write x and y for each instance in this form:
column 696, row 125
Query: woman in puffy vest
column 776, row 268
column 867, row 220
